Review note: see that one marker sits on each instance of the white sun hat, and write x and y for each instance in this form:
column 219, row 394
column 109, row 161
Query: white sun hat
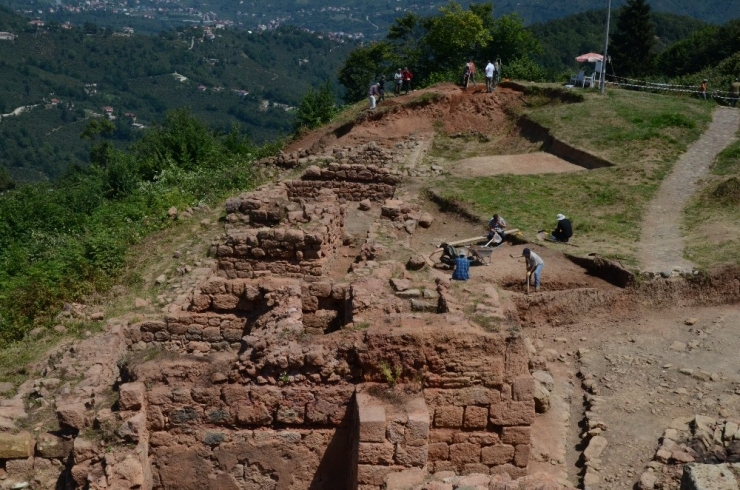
column 561, row 216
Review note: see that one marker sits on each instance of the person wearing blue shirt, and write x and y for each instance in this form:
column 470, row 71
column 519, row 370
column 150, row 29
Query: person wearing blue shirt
column 462, row 268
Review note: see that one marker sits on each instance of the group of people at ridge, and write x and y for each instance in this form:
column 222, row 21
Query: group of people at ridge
column 496, row 234
column 402, row 81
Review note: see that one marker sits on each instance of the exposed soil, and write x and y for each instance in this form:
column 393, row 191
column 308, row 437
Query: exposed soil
column 525, row 164
column 445, row 107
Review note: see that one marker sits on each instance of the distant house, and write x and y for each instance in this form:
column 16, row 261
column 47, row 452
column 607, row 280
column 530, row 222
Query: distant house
column 108, row 111
column 241, row 93
column 36, row 23
column 128, row 30
column 55, row 101
column 7, row 36
column 67, row 25
column 131, row 116
column 202, row 88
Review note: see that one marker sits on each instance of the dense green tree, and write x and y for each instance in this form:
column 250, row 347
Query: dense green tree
column 6, row 181
column 511, row 40
column 455, row 35
column 316, row 108
column 633, row 43
column 363, row 66
column 701, row 50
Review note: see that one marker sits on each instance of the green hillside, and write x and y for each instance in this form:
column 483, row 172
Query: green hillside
column 564, row 39
column 370, row 19
column 87, row 69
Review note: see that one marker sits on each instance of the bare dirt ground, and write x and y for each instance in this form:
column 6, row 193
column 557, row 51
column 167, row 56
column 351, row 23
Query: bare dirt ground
column 661, row 243
column 637, row 363
column 525, row 164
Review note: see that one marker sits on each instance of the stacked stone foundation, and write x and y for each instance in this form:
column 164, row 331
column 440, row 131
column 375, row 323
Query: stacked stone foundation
column 348, row 182
column 247, row 416
column 301, row 242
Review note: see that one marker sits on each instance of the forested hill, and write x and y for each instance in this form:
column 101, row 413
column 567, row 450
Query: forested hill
column 71, row 75
column 564, row 39
column 370, row 19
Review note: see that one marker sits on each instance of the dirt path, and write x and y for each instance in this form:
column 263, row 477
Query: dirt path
column 661, row 243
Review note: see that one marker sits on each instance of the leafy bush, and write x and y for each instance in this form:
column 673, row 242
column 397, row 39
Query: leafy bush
column 62, row 241
column 317, row 108
column 524, row 69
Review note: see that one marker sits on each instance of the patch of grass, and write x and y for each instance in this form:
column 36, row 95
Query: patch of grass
column 646, row 126
column 489, row 324
column 643, row 134
column 712, row 220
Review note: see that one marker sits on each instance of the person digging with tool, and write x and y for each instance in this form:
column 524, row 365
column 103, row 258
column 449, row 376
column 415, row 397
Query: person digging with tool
column 534, row 267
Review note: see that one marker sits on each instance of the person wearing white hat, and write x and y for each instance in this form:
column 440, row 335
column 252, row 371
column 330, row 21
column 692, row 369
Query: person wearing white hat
column 563, row 230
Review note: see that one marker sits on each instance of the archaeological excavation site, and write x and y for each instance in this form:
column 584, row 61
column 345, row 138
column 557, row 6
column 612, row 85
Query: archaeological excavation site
column 307, row 336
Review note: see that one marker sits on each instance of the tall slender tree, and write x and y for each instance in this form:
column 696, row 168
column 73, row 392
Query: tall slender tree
column 632, row 45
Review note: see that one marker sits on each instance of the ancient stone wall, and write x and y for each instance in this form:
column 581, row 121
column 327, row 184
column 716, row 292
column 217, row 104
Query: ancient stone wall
column 302, row 241
column 287, row 398
column 352, row 182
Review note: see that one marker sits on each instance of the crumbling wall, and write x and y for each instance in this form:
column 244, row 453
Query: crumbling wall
column 243, row 421
column 302, row 244
column 209, row 426
column 352, row 182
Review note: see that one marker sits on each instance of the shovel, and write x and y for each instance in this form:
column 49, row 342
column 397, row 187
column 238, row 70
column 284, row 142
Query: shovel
column 528, row 283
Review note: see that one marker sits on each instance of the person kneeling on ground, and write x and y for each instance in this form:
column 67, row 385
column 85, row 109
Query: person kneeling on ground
column 563, row 230
column 534, row 267
column 449, row 255
column 496, row 226
column 462, row 268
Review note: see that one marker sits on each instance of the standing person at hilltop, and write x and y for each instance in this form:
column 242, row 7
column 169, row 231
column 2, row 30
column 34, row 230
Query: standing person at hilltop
column 466, row 76
column 372, row 94
column 397, row 82
column 407, row 76
column 471, row 70
column 703, row 89
column 381, row 88
column 490, row 77
column 734, row 92
column 497, row 68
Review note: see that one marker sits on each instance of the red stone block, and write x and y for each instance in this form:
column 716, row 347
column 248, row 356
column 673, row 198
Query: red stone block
column 497, row 455
column 464, row 453
column 522, row 389
column 439, row 451
column 512, row 413
column 475, row 417
column 521, row 455
column 448, row 416
column 516, row 435
column 375, row 453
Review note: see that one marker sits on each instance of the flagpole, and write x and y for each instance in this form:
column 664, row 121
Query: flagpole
column 606, row 46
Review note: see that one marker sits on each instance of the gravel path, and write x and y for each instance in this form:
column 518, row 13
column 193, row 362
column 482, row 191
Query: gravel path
column 661, row 243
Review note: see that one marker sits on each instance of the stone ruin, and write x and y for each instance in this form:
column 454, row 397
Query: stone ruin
column 274, row 374
column 699, row 453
